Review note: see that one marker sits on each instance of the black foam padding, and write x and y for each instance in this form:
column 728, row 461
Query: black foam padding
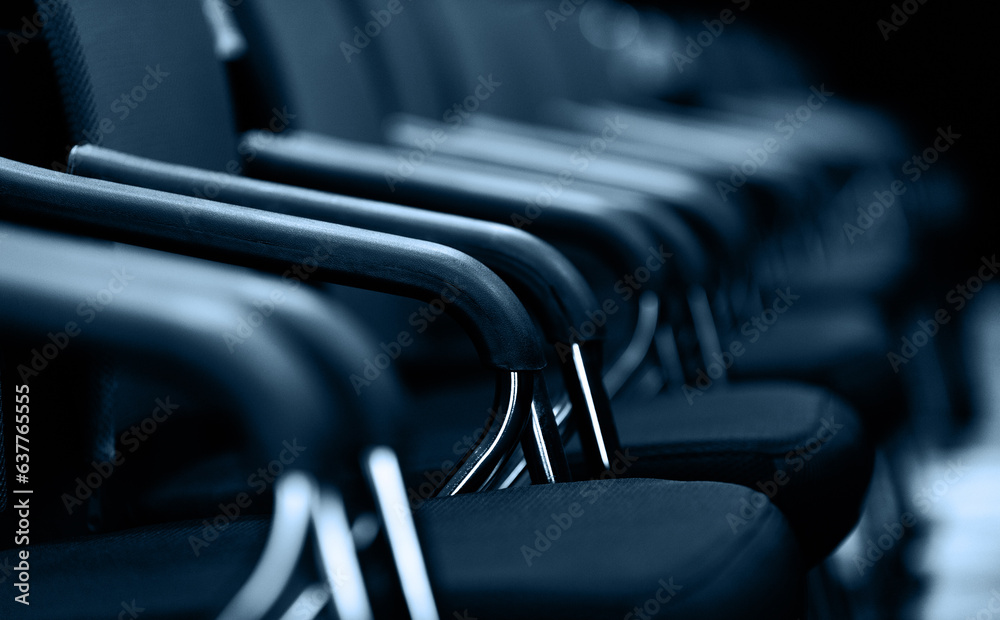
column 801, row 445
column 630, row 542
column 627, row 538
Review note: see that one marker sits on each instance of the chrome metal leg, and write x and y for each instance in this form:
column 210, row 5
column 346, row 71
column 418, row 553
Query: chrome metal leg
column 542, row 443
column 594, row 420
column 338, row 557
column 294, row 494
column 386, row 481
column 480, row 467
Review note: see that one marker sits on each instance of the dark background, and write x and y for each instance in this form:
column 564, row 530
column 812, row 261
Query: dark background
column 938, row 69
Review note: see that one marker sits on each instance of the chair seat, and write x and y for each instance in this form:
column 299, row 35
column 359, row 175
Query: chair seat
column 601, row 549
column 740, row 434
column 154, row 567
column 622, row 544
column 800, row 445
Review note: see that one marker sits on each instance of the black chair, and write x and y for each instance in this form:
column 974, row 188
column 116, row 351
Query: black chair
column 560, row 301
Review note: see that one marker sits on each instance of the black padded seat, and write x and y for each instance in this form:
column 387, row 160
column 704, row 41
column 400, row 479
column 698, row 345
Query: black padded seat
column 803, row 447
column 740, row 434
column 154, row 567
column 625, row 540
column 629, row 542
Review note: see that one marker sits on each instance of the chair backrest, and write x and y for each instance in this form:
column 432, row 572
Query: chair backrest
column 32, row 130
column 142, row 77
column 315, row 57
column 330, row 57
column 538, row 54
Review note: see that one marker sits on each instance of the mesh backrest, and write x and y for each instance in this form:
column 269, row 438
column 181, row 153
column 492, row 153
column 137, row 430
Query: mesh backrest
column 307, row 57
column 450, row 44
column 141, row 77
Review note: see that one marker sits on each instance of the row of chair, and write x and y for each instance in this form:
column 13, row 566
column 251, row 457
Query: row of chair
column 679, row 316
